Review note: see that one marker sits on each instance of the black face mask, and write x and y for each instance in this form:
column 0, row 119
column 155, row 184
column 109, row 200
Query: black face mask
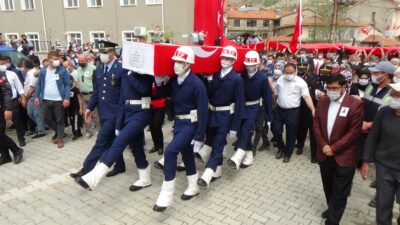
column 83, row 65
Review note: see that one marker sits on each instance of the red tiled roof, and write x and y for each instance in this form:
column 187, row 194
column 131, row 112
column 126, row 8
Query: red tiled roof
column 261, row 14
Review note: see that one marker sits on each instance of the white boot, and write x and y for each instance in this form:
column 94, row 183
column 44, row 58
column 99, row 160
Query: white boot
column 93, row 178
column 144, row 179
column 224, row 152
column 159, row 164
column 205, row 179
column 247, row 160
column 192, row 189
column 166, row 196
column 237, row 158
column 217, row 174
column 204, row 153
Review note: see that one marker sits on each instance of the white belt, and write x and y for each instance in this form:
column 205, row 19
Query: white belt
column 192, row 116
column 230, row 108
column 256, row 102
column 144, row 102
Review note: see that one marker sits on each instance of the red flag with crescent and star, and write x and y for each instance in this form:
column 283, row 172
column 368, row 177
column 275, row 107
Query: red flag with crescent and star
column 209, row 18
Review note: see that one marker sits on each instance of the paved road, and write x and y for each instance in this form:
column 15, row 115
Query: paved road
column 39, row 191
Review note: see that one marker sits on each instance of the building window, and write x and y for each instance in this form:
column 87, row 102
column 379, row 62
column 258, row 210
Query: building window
column 127, row 2
column 311, row 34
column 323, row 35
column 153, row 2
column 266, row 23
column 94, row 3
column 33, row 40
column 74, row 38
column 129, row 36
column 7, row 5
column 11, row 37
column 251, row 23
column 350, row 33
column 71, row 3
column 265, row 35
column 236, row 23
column 96, row 36
column 28, row 4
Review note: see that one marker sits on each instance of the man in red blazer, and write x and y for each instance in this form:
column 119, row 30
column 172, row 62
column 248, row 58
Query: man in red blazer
column 337, row 126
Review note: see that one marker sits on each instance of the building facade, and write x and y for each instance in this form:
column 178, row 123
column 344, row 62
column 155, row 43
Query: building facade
column 48, row 21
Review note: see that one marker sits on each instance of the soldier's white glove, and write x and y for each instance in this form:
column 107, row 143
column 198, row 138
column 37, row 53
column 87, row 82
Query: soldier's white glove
column 196, row 145
column 209, row 78
column 232, row 134
column 161, row 80
column 117, row 132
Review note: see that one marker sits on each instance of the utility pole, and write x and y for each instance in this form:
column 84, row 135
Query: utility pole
column 332, row 35
column 315, row 25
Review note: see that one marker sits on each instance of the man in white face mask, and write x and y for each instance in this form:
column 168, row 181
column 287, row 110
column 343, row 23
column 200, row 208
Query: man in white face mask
column 289, row 90
column 189, row 98
column 226, row 102
column 257, row 93
column 337, row 125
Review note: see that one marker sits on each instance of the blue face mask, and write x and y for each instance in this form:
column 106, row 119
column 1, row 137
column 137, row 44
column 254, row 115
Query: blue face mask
column 281, row 61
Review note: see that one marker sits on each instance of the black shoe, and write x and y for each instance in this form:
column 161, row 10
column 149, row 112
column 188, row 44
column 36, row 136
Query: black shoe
column 137, row 188
column 38, row 136
column 180, row 168
column 372, row 203
column 158, row 165
column 214, row 179
column 22, row 143
column 114, row 172
column 313, row 160
column 286, row 159
column 76, row 137
column 398, row 220
column 188, row 197
column 373, row 184
column 299, row 151
column 157, row 208
column 77, row 174
column 160, row 151
column 154, row 149
column 264, row 146
column 279, row 154
column 325, row 214
column 82, row 183
column 30, row 133
column 4, row 160
column 18, row 155
column 296, row 145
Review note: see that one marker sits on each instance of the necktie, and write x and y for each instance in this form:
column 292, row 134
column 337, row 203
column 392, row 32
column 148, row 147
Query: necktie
column 105, row 71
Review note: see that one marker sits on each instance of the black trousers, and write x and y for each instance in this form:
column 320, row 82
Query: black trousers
column 261, row 130
column 76, row 122
column 54, row 114
column 6, row 143
column 387, row 187
column 17, row 119
column 337, row 182
column 156, row 122
column 306, row 126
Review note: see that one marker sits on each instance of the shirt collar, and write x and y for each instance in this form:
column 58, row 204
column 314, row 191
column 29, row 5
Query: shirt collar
column 224, row 72
column 182, row 77
column 109, row 65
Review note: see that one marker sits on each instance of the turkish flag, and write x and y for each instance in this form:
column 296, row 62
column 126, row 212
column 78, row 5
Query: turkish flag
column 209, row 17
column 297, row 29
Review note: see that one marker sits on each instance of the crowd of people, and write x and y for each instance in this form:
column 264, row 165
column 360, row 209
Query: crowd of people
column 348, row 105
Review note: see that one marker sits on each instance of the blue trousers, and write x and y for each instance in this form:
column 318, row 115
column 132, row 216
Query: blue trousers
column 131, row 130
column 246, row 132
column 104, row 140
column 216, row 136
column 137, row 149
column 290, row 119
column 35, row 113
column 181, row 143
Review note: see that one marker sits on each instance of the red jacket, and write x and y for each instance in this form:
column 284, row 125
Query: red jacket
column 345, row 131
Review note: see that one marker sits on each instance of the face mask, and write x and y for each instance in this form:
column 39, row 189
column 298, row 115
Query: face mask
column 3, row 68
column 179, row 69
column 363, row 82
column 82, row 65
column 396, row 79
column 320, row 57
column 354, row 63
column 251, row 69
column 302, row 55
column 8, row 65
column 375, row 80
column 289, row 77
column 333, row 95
column 104, row 58
column 277, row 72
column 269, row 61
column 395, row 103
column 55, row 63
column 281, row 61
column 373, row 63
column 226, row 63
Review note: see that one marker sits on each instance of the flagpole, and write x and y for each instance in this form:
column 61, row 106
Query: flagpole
column 301, row 20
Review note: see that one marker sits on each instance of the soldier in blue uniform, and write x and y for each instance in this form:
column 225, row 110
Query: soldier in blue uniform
column 226, row 102
column 257, row 94
column 133, row 115
column 189, row 100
